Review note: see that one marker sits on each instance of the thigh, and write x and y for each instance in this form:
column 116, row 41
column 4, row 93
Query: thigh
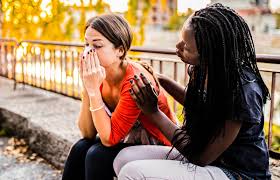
column 75, row 164
column 143, row 152
column 99, row 161
column 169, row 170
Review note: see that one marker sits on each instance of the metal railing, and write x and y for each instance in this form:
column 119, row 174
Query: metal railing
column 53, row 66
column 8, row 47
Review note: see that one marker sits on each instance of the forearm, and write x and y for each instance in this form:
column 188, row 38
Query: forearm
column 164, row 124
column 85, row 122
column 100, row 119
column 169, row 129
column 216, row 147
column 173, row 88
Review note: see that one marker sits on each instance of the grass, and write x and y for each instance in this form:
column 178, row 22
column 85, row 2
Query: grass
column 275, row 145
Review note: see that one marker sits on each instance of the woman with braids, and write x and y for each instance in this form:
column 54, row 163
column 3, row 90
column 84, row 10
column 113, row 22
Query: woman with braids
column 222, row 133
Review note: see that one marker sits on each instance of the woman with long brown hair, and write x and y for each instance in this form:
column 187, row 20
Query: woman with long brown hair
column 107, row 109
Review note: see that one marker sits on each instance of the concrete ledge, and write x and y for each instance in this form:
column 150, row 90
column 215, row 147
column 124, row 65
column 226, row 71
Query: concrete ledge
column 46, row 120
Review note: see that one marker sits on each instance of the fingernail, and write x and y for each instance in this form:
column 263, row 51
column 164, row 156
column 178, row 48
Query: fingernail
column 91, row 50
column 141, row 74
column 135, row 76
column 131, row 81
column 83, row 57
column 87, row 52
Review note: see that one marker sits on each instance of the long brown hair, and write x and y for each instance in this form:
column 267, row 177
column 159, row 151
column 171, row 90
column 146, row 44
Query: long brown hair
column 113, row 27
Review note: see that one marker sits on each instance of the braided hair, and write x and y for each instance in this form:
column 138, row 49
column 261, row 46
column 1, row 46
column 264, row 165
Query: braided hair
column 225, row 48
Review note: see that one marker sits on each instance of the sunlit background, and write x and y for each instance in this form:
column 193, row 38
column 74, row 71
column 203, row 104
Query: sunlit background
column 152, row 21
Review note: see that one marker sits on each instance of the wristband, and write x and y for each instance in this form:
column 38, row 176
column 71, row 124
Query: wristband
column 96, row 109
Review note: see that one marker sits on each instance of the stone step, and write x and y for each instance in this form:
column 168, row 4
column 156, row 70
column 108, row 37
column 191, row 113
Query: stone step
column 46, row 120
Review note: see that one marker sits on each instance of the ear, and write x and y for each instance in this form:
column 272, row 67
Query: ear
column 120, row 51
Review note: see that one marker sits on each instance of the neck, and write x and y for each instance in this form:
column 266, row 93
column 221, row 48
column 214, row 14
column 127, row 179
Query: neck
column 115, row 73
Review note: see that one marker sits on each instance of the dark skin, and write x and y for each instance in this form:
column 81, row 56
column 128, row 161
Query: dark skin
column 146, row 98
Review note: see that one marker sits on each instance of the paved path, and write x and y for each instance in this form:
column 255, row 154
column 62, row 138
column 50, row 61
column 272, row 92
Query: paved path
column 19, row 163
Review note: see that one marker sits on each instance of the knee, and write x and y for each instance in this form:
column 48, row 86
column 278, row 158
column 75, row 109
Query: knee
column 94, row 154
column 81, row 146
column 123, row 157
column 131, row 171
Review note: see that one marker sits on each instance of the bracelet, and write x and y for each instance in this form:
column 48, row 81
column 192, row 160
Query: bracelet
column 96, row 109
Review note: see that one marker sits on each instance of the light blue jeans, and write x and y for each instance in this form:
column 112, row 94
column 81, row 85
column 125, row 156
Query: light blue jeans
column 149, row 162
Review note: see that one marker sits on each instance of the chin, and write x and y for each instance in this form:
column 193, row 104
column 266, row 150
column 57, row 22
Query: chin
column 105, row 65
column 185, row 60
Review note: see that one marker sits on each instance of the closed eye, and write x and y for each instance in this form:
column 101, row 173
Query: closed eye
column 97, row 46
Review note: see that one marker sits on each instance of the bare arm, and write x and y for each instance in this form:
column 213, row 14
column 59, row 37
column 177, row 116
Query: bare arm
column 146, row 98
column 164, row 124
column 173, row 88
column 85, row 122
column 213, row 150
column 91, row 123
column 101, row 119
column 220, row 144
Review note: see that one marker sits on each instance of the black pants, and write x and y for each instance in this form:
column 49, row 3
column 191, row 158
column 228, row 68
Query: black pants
column 90, row 160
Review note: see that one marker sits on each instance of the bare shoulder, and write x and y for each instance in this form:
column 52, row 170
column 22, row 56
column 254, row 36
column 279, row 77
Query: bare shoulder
column 143, row 70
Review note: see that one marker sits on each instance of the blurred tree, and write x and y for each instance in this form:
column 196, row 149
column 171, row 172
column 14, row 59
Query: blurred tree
column 100, row 7
column 1, row 18
column 54, row 25
column 47, row 19
column 33, row 19
column 277, row 16
column 137, row 16
column 176, row 21
column 164, row 5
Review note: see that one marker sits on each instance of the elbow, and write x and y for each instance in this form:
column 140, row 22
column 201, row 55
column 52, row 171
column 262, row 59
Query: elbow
column 87, row 135
column 200, row 162
column 106, row 142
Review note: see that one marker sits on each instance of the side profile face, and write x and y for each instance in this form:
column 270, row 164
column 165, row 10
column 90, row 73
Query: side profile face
column 105, row 50
column 186, row 48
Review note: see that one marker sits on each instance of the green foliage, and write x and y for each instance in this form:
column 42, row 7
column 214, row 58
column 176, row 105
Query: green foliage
column 277, row 16
column 29, row 20
column 177, row 20
column 33, row 19
column 275, row 145
column 100, row 7
column 138, row 21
